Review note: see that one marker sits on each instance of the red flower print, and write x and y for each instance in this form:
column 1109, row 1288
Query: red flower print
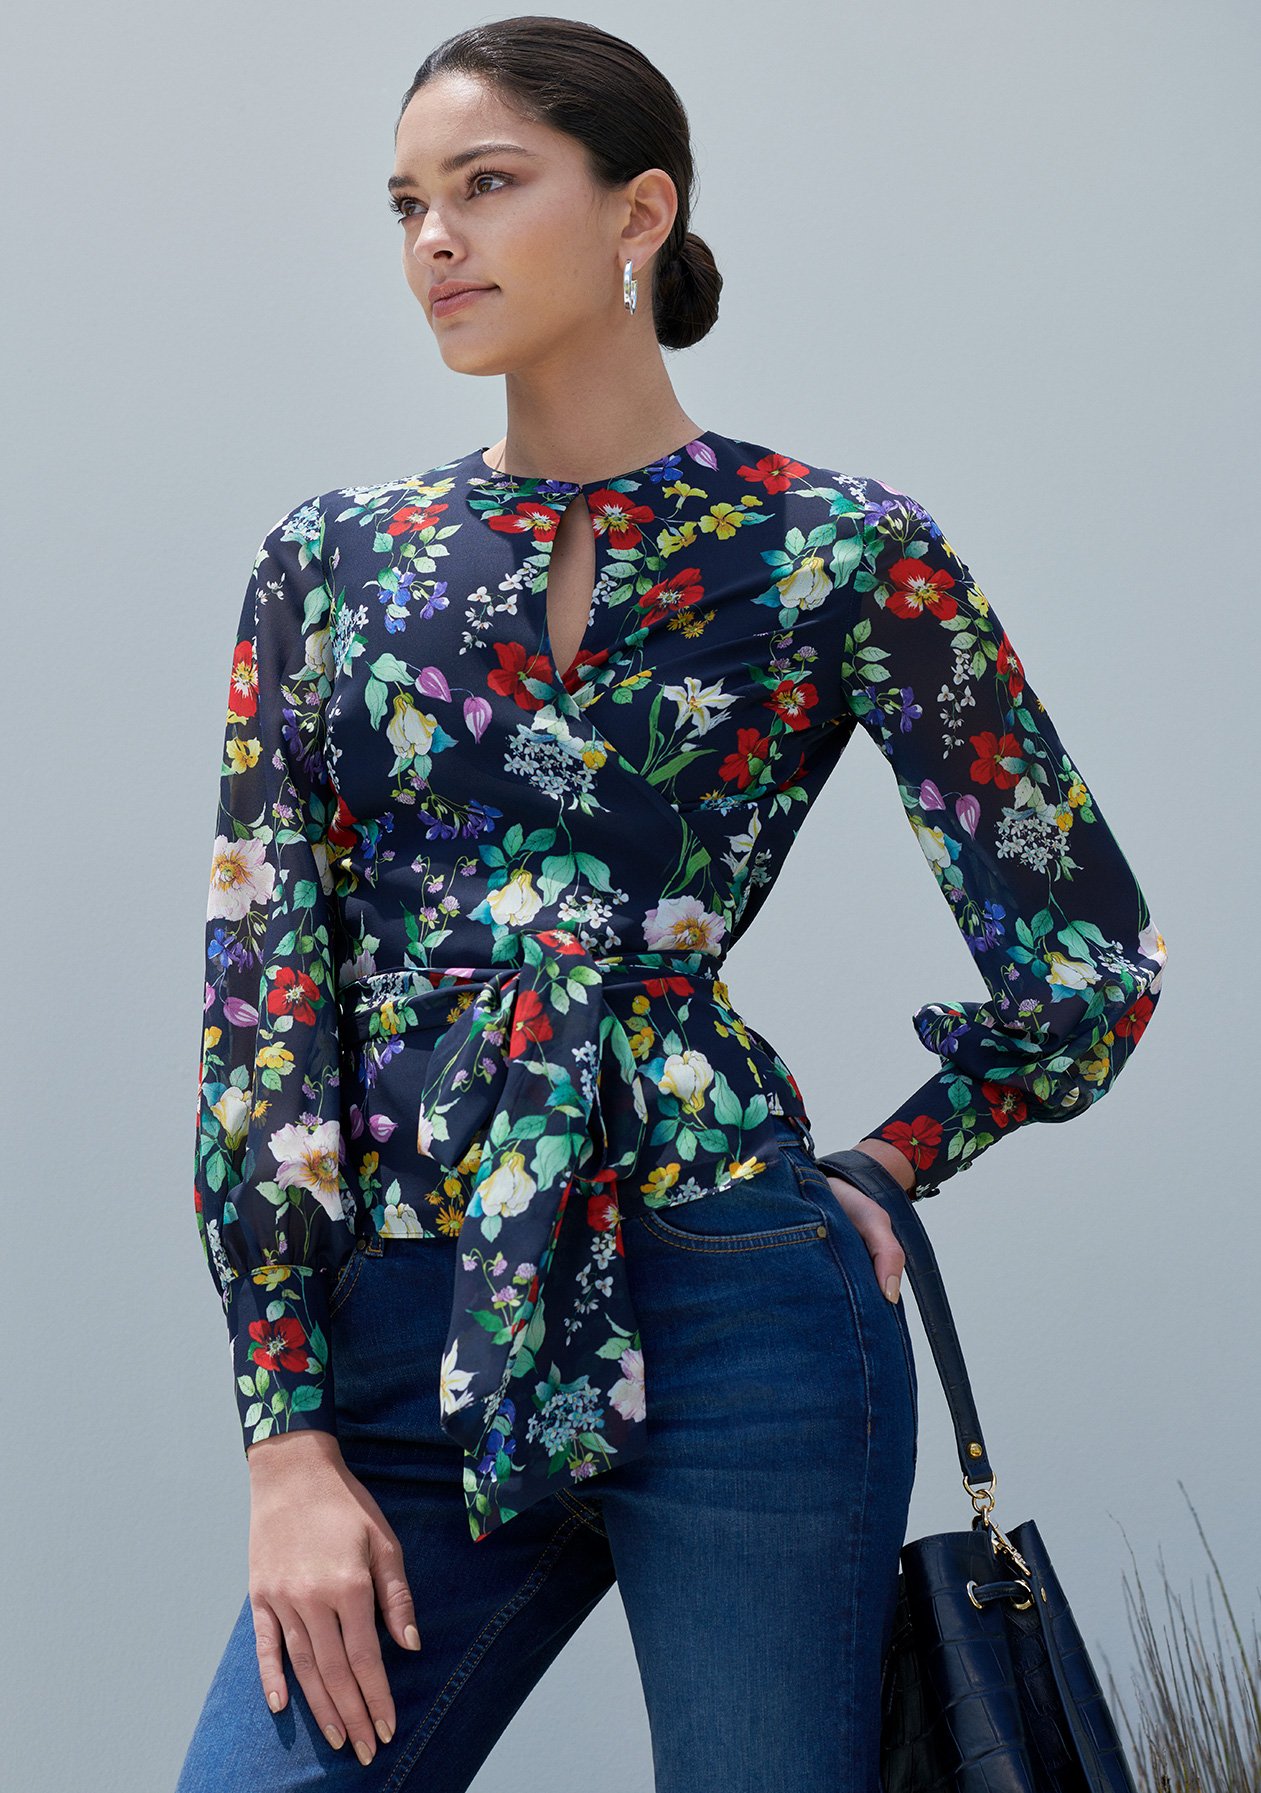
column 1006, row 1104
column 793, row 701
column 674, row 986
column 617, row 516
column 1008, row 667
column 603, row 1213
column 739, row 765
column 1133, row 1023
column 988, row 767
column 341, row 835
column 531, row 517
column 530, row 1024
column 775, row 472
column 682, row 589
column 279, row 1344
column 515, row 666
column 919, row 1142
column 243, row 682
column 414, row 517
column 916, row 589
column 294, row 994
column 561, row 942
column 583, row 667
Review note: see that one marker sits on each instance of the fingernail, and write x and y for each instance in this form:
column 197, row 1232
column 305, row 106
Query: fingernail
column 363, row 1751
column 411, row 1637
column 384, row 1731
column 273, row 1700
column 891, row 1287
column 334, row 1736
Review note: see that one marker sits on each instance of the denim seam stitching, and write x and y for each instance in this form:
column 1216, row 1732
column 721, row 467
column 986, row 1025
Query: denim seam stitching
column 581, row 1511
column 445, row 1698
column 856, row 1311
column 908, row 1358
column 802, row 1233
column 341, row 1289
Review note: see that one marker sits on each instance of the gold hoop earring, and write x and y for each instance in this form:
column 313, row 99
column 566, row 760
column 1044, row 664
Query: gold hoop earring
column 630, row 288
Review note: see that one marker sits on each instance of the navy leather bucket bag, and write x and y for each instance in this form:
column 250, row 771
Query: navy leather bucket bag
column 987, row 1684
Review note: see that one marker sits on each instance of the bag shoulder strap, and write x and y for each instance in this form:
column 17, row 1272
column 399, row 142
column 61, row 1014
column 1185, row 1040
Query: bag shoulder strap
column 874, row 1180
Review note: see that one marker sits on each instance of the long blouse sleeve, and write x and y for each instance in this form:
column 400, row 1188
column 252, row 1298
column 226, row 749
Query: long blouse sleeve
column 274, row 1213
column 1037, row 884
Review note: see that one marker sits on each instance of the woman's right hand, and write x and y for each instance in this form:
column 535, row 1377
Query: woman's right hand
column 322, row 1554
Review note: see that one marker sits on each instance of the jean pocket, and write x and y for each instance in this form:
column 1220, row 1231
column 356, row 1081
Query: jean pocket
column 771, row 1209
column 347, row 1277
column 817, row 1176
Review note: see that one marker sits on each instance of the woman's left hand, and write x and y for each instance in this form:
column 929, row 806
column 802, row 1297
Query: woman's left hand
column 877, row 1232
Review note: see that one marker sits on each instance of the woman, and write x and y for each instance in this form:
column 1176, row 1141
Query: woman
column 519, row 1227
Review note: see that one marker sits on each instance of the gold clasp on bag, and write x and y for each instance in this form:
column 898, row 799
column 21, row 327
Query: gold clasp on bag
column 982, row 1496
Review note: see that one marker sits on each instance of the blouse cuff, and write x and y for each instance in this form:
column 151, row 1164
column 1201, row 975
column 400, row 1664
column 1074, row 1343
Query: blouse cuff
column 278, row 1328
column 950, row 1107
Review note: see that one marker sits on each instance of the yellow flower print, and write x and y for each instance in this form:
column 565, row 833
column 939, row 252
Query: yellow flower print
column 673, row 541
column 274, row 1056
column 661, row 1179
column 469, row 1164
column 270, row 1276
column 428, row 488
column 722, row 520
column 742, row 1168
column 449, row 1219
column 241, row 755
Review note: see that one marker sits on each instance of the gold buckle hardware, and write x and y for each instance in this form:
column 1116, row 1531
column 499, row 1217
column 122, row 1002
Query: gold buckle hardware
column 982, row 1496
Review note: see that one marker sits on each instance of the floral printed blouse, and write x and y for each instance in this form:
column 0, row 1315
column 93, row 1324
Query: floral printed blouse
column 468, row 912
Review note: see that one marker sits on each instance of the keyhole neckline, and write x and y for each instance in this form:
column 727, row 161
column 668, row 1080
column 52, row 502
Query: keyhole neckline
column 701, row 449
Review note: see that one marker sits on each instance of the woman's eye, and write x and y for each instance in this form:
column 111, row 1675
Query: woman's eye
column 399, row 206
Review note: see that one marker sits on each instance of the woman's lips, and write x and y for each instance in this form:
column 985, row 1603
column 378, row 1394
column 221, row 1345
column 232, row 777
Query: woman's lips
column 442, row 306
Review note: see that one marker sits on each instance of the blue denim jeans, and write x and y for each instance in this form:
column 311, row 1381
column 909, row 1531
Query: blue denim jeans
column 754, row 1545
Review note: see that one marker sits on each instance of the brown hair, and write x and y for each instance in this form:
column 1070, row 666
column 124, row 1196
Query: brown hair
column 606, row 94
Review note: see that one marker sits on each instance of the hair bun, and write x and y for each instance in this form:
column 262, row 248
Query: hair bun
column 685, row 293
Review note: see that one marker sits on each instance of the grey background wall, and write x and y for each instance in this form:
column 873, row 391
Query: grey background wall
column 995, row 255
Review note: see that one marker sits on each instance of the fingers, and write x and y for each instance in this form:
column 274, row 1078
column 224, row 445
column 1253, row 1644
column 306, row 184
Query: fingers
column 890, row 1261
column 267, row 1642
column 336, row 1677
column 393, row 1594
column 318, row 1656
column 871, row 1221
column 363, row 1656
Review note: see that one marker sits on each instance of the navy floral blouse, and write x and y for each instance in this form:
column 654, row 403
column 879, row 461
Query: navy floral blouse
column 468, row 914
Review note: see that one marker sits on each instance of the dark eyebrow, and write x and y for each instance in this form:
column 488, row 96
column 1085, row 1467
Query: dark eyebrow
column 450, row 164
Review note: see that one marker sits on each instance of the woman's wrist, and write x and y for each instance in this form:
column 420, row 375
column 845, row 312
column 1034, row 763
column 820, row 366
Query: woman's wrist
column 893, row 1161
